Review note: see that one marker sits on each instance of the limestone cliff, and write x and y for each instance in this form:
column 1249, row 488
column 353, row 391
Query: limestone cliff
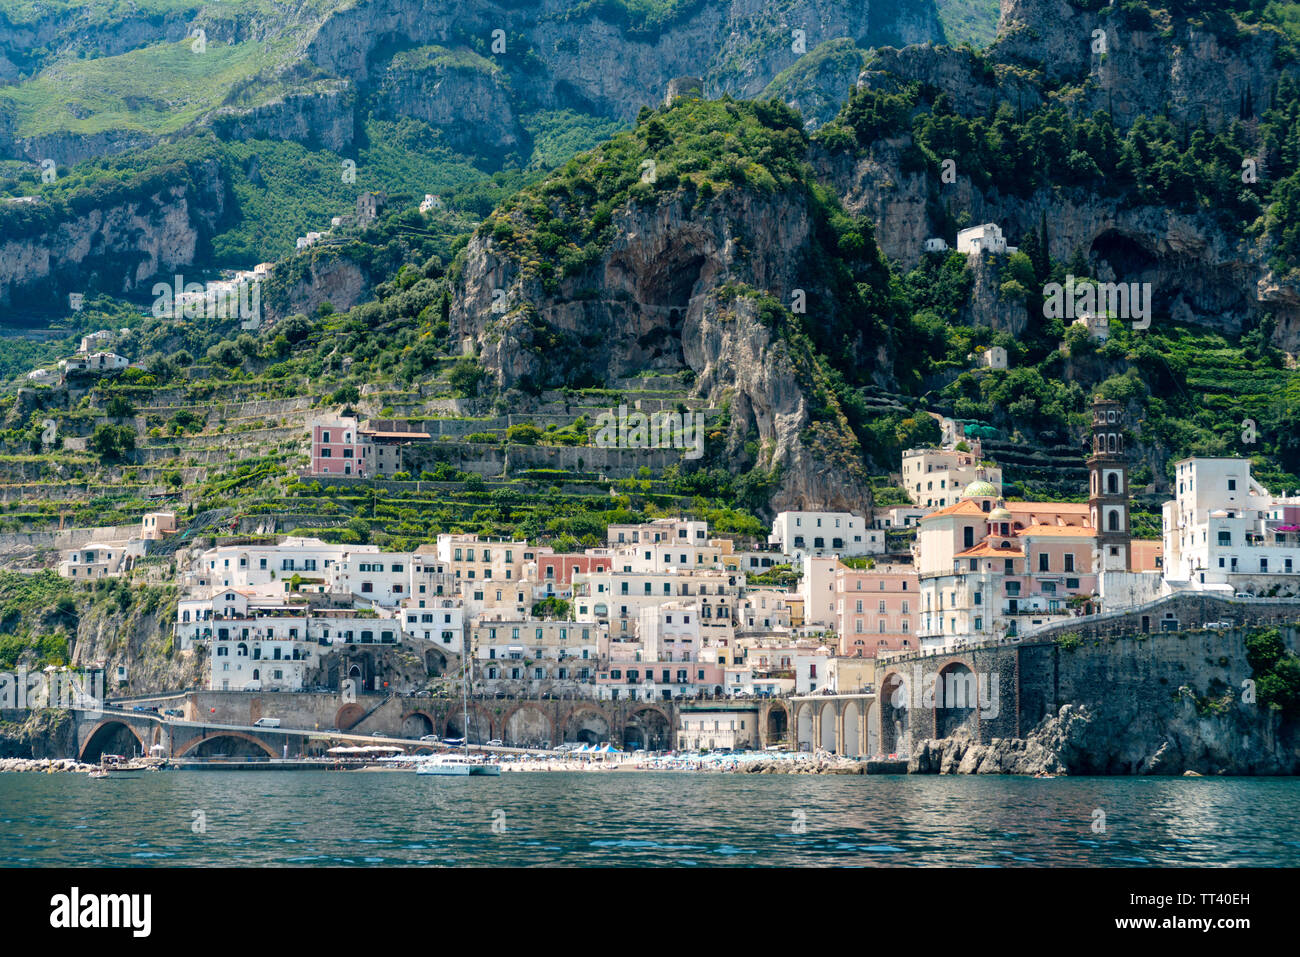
column 1160, row 704
column 675, row 288
column 160, row 227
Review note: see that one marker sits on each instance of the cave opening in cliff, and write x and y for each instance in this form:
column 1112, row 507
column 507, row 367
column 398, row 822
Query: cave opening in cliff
column 665, row 296
column 1126, row 257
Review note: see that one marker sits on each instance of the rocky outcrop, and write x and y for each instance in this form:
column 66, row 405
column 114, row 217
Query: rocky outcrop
column 313, row 278
column 1087, row 739
column 116, row 247
column 44, row 734
column 1141, row 63
column 318, row 118
column 461, row 93
column 1198, row 272
column 818, row 83
column 609, row 62
column 675, row 289
column 138, row 636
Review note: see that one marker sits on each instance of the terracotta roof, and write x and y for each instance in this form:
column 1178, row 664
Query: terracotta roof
column 985, row 550
column 394, row 435
column 964, row 507
column 1081, row 531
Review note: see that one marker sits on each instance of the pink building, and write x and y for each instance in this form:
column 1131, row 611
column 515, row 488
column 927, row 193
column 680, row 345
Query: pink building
column 877, row 609
column 559, row 569
column 336, row 448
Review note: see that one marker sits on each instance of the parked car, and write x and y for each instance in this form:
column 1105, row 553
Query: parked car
column 496, row 743
column 431, row 737
column 1244, row 594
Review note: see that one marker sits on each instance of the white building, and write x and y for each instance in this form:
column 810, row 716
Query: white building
column 934, row 478
column 936, row 244
column 373, row 578
column 1225, row 531
column 94, row 340
column 825, row 533
column 994, row 357
column 660, row 530
column 1098, row 326
column 441, row 620
column 96, row 560
column 95, row 362
column 817, row 588
column 270, row 568
column 985, row 238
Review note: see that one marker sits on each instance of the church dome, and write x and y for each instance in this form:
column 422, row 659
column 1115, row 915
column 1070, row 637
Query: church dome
column 1000, row 514
column 980, row 489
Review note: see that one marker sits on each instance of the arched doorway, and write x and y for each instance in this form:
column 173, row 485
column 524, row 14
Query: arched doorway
column 480, row 726
column 652, row 730
column 955, row 699
column 895, row 724
column 804, row 726
column 348, row 715
column 229, row 745
column 778, row 724
column 527, row 727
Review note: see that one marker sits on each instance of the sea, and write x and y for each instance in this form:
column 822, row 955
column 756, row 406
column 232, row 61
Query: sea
column 332, row 818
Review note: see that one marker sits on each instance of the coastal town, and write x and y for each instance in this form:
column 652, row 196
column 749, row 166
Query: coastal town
column 669, row 611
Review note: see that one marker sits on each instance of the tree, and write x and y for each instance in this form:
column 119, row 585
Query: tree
column 345, row 395
column 119, row 407
column 112, row 441
column 465, row 377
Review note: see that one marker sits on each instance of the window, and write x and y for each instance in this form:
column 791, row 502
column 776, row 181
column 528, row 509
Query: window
column 1069, row 561
column 1044, row 562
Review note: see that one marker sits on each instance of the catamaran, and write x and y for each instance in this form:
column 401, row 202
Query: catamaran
column 460, row 764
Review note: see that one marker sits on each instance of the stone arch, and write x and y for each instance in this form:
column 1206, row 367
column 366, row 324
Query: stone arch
column 416, row 724
column 654, row 725
column 348, row 716
column 895, row 715
column 827, row 740
column 107, row 737
column 527, row 725
column 592, row 729
column 955, row 698
column 804, row 726
column 778, row 722
column 853, row 744
column 204, row 743
column 480, row 725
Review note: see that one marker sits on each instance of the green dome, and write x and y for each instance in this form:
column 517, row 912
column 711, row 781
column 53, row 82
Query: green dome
column 980, row 489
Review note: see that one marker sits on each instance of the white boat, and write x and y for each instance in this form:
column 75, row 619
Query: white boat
column 457, row 764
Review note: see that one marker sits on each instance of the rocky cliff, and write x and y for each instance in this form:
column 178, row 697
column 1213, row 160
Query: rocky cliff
column 677, row 287
column 1164, row 704
column 159, row 227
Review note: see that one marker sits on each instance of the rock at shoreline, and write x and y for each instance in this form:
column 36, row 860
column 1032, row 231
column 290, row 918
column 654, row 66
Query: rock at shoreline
column 43, row 765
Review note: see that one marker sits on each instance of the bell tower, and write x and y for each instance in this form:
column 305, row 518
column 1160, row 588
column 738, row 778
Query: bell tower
column 1108, row 492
